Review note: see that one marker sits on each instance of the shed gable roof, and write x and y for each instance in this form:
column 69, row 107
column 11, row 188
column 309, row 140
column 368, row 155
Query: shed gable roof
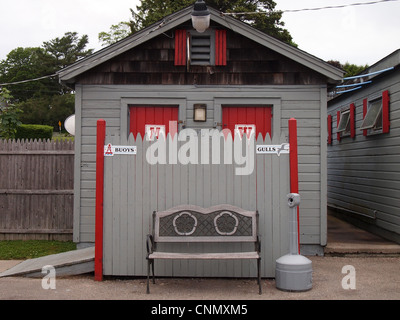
column 68, row 75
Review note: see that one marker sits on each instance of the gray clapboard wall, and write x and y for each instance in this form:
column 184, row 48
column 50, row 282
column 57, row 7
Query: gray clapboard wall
column 364, row 172
column 110, row 102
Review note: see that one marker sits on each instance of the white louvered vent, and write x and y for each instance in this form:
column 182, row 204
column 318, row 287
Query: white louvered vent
column 200, row 50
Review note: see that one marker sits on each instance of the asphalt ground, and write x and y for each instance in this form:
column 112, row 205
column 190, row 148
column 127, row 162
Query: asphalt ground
column 349, row 281
column 356, row 277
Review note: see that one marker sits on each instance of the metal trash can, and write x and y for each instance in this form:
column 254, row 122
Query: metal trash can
column 293, row 272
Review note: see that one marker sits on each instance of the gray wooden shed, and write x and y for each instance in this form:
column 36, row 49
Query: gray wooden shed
column 168, row 70
column 363, row 150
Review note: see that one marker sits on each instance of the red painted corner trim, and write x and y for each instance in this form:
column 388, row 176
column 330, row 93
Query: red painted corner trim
column 98, row 255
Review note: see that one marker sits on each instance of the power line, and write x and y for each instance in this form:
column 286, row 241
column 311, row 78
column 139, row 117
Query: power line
column 25, row 81
column 314, row 9
column 341, row 6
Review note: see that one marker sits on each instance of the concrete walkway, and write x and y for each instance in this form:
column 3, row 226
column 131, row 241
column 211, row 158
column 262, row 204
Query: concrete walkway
column 346, row 239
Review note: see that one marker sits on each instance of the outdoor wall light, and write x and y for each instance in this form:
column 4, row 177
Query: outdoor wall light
column 200, row 16
column 200, row 113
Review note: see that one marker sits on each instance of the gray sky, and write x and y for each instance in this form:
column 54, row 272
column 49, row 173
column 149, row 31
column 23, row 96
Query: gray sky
column 360, row 35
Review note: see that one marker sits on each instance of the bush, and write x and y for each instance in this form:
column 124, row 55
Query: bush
column 34, row 131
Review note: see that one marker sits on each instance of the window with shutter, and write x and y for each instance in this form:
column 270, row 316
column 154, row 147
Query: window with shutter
column 376, row 114
column 346, row 123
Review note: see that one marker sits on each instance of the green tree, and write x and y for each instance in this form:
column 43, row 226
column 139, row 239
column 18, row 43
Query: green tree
column 117, row 32
column 61, row 52
column 350, row 69
column 31, row 63
column 48, row 110
column 43, row 101
column 353, row 69
column 265, row 19
column 23, row 64
column 64, row 51
column 9, row 115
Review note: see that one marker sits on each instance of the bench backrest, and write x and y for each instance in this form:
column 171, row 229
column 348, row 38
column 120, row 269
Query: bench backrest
column 222, row 223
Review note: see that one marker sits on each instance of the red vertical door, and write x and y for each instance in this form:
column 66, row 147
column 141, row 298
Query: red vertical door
column 258, row 116
column 142, row 116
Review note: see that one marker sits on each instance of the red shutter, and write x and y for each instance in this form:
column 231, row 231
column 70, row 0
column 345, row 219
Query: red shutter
column 365, row 110
column 338, row 121
column 180, row 47
column 329, row 129
column 220, row 47
column 352, row 120
column 385, row 112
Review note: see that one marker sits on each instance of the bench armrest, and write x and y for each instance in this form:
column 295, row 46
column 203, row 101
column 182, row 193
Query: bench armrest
column 150, row 244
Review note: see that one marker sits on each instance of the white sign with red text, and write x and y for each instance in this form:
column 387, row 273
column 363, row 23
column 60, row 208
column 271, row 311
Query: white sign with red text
column 110, row 150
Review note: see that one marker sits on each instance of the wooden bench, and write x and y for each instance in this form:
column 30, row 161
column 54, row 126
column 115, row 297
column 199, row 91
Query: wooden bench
column 188, row 224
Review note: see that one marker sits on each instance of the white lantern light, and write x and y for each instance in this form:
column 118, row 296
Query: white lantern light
column 200, row 16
